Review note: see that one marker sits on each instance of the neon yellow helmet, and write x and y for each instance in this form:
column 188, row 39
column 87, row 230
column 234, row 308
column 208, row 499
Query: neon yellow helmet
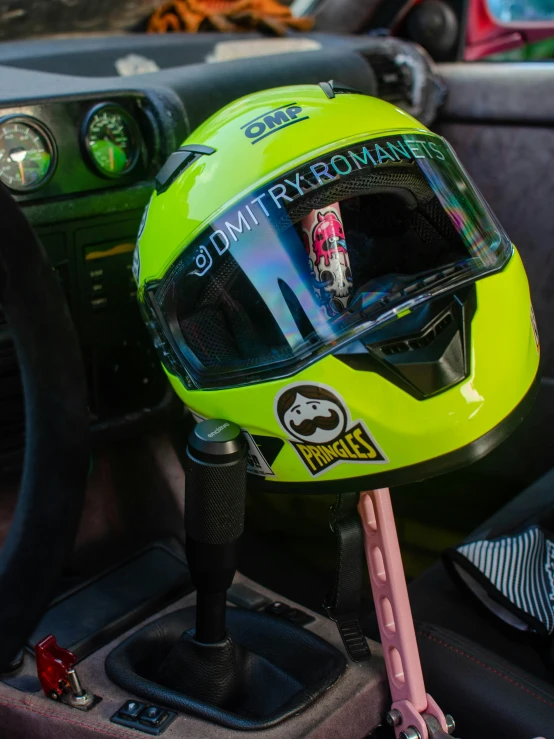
column 316, row 266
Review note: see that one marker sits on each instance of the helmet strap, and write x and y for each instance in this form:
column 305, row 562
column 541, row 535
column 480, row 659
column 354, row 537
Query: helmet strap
column 343, row 603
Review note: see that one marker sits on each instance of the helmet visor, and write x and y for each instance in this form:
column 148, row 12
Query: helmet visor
column 320, row 256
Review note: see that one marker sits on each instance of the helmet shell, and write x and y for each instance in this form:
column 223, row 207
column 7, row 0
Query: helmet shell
column 387, row 436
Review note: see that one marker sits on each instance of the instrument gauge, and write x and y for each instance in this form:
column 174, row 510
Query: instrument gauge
column 27, row 154
column 111, row 139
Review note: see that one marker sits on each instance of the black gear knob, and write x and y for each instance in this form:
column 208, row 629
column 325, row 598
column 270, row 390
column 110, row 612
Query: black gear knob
column 215, row 482
column 215, row 490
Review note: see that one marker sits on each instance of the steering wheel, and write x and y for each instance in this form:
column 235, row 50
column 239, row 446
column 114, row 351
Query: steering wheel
column 56, row 440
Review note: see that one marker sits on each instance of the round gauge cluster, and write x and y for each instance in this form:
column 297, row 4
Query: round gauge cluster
column 111, row 139
column 110, row 144
column 27, row 154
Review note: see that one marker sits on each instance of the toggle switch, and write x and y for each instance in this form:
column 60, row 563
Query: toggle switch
column 58, row 677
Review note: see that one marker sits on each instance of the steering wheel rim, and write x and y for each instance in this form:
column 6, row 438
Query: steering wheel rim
column 57, row 429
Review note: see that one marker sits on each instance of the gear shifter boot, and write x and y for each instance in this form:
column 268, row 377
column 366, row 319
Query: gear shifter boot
column 213, row 673
column 263, row 672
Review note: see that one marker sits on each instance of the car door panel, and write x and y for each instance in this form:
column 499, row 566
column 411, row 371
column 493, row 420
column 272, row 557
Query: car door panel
column 500, row 120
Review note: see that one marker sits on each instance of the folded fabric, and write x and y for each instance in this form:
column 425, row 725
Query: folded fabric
column 226, row 16
column 513, row 576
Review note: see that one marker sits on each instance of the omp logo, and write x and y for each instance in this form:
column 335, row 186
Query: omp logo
column 272, row 121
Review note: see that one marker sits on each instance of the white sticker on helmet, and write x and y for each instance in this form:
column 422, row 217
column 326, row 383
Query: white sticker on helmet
column 136, row 253
column 535, row 330
column 257, row 463
column 136, row 265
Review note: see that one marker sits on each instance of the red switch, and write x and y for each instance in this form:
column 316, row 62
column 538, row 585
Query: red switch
column 53, row 663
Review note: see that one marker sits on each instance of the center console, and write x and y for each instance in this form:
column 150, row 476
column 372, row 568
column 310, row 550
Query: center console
column 230, row 659
column 351, row 708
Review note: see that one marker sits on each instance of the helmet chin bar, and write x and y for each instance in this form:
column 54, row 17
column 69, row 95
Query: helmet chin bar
column 414, row 714
column 425, row 353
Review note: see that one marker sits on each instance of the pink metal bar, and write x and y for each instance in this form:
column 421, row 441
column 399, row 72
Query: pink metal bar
column 394, row 613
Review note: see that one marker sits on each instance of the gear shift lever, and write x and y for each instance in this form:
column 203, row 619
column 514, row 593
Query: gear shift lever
column 256, row 669
column 215, row 470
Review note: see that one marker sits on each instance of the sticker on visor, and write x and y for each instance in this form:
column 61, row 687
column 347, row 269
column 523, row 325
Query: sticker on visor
column 324, row 241
column 321, row 430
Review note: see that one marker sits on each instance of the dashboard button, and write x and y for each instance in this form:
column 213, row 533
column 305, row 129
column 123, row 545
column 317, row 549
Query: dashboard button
column 131, row 709
column 98, row 304
column 294, row 615
column 153, row 716
column 277, row 608
column 245, row 597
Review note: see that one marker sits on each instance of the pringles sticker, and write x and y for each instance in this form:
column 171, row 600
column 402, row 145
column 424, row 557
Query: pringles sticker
column 318, row 424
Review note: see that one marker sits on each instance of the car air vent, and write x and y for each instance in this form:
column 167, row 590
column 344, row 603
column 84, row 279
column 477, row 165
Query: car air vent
column 405, row 76
column 12, row 412
column 392, row 84
column 419, row 342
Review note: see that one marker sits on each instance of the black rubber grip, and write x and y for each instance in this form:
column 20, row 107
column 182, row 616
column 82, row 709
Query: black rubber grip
column 214, row 500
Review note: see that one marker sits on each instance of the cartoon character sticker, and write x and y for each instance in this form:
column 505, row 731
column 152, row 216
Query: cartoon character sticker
column 321, row 432
column 324, row 241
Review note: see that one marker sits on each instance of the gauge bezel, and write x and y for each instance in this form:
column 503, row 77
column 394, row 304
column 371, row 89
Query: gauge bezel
column 134, row 130
column 39, row 127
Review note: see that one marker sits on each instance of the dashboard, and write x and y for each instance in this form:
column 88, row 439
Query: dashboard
column 57, row 148
column 82, row 169
column 80, row 154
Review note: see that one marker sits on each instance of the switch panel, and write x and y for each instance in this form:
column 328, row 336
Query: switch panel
column 152, row 720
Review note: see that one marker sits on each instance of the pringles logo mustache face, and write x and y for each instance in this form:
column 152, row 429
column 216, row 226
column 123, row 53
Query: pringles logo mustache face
column 322, row 434
column 272, row 121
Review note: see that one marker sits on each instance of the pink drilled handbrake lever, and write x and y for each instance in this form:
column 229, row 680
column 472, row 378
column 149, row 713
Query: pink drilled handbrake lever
column 414, row 714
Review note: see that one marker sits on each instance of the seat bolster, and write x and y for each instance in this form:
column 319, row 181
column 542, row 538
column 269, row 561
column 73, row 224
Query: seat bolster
column 488, row 697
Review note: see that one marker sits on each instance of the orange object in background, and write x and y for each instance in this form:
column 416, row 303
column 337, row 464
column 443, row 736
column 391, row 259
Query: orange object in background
column 225, row 16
